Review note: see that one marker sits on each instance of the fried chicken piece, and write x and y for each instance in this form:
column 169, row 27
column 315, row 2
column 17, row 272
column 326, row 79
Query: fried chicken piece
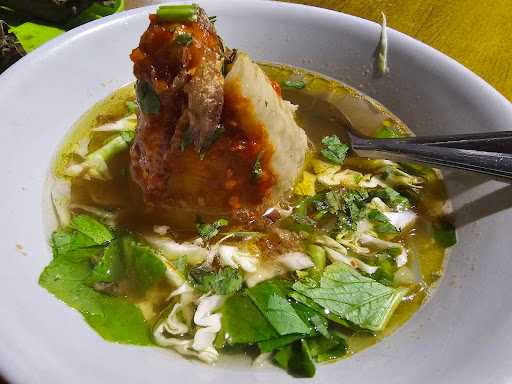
column 181, row 64
column 214, row 144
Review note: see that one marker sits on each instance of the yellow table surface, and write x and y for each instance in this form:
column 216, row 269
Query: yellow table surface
column 477, row 33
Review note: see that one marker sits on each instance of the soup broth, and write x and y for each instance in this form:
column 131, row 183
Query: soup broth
column 319, row 100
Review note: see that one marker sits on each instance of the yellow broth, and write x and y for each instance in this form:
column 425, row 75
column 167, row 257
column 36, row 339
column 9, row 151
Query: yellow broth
column 319, row 104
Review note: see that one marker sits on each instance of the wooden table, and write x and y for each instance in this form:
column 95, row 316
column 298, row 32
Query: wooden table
column 477, row 33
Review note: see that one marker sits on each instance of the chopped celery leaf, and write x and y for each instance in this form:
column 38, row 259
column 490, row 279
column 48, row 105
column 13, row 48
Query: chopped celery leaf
column 387, row 133
column 316, row 322
column 333, row 149
column 444, row 234
column 86, row 257
column 109, row 268
column 271, row 299
column 147, row 98
column 63, row 242
column 352, row 296
column 279, row 342
column 296, row 359
column 243, row 322
column 92, row 228
column 181, row 265
column 208, row 231
column 143, row 267
column 300, row 298
column 114, row 318
column 328, row 348
column 392, row 198
column 225, row 281
column 297, row 84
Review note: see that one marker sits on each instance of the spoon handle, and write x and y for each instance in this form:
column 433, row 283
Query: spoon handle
column 500, row 142
column 490, row 154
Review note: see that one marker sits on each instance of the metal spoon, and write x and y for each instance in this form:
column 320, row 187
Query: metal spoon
column 488, row 153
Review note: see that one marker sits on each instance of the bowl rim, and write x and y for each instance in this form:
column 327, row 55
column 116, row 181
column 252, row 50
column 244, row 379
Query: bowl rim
column 9, row 76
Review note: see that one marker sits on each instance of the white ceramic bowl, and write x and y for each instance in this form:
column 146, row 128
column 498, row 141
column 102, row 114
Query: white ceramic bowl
column 463, row 335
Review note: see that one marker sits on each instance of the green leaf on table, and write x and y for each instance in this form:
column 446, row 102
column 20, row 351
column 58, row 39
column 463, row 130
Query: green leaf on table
column 243, row 322
column 352, row 296
column 271, row 298
column 225, row 281
column 333, row 149
column 92, row 228
column 96, row 10
column 32, row 35
column 296, row 359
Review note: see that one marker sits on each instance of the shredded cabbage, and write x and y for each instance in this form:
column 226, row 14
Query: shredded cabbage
column 235, row 258
column 337, row 252
column 128, row 123
column 184, row 317
column 173, row 250
column 295, row 261
column 346, row 178
column 401, row 220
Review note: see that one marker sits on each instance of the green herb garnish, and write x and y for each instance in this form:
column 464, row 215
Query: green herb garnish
column 212, row 19
column 392, row 198
column 383, row 224
column 148, row 99
column 214, row 136
column 444, row 234
column 184, row 39
column 257, row 170
column 208, row 231
column 186, row 140
column 225, row 281
column 296, row 84
column 334, row 150
column 387, row 133
column 131, row 106
column 179, row 13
